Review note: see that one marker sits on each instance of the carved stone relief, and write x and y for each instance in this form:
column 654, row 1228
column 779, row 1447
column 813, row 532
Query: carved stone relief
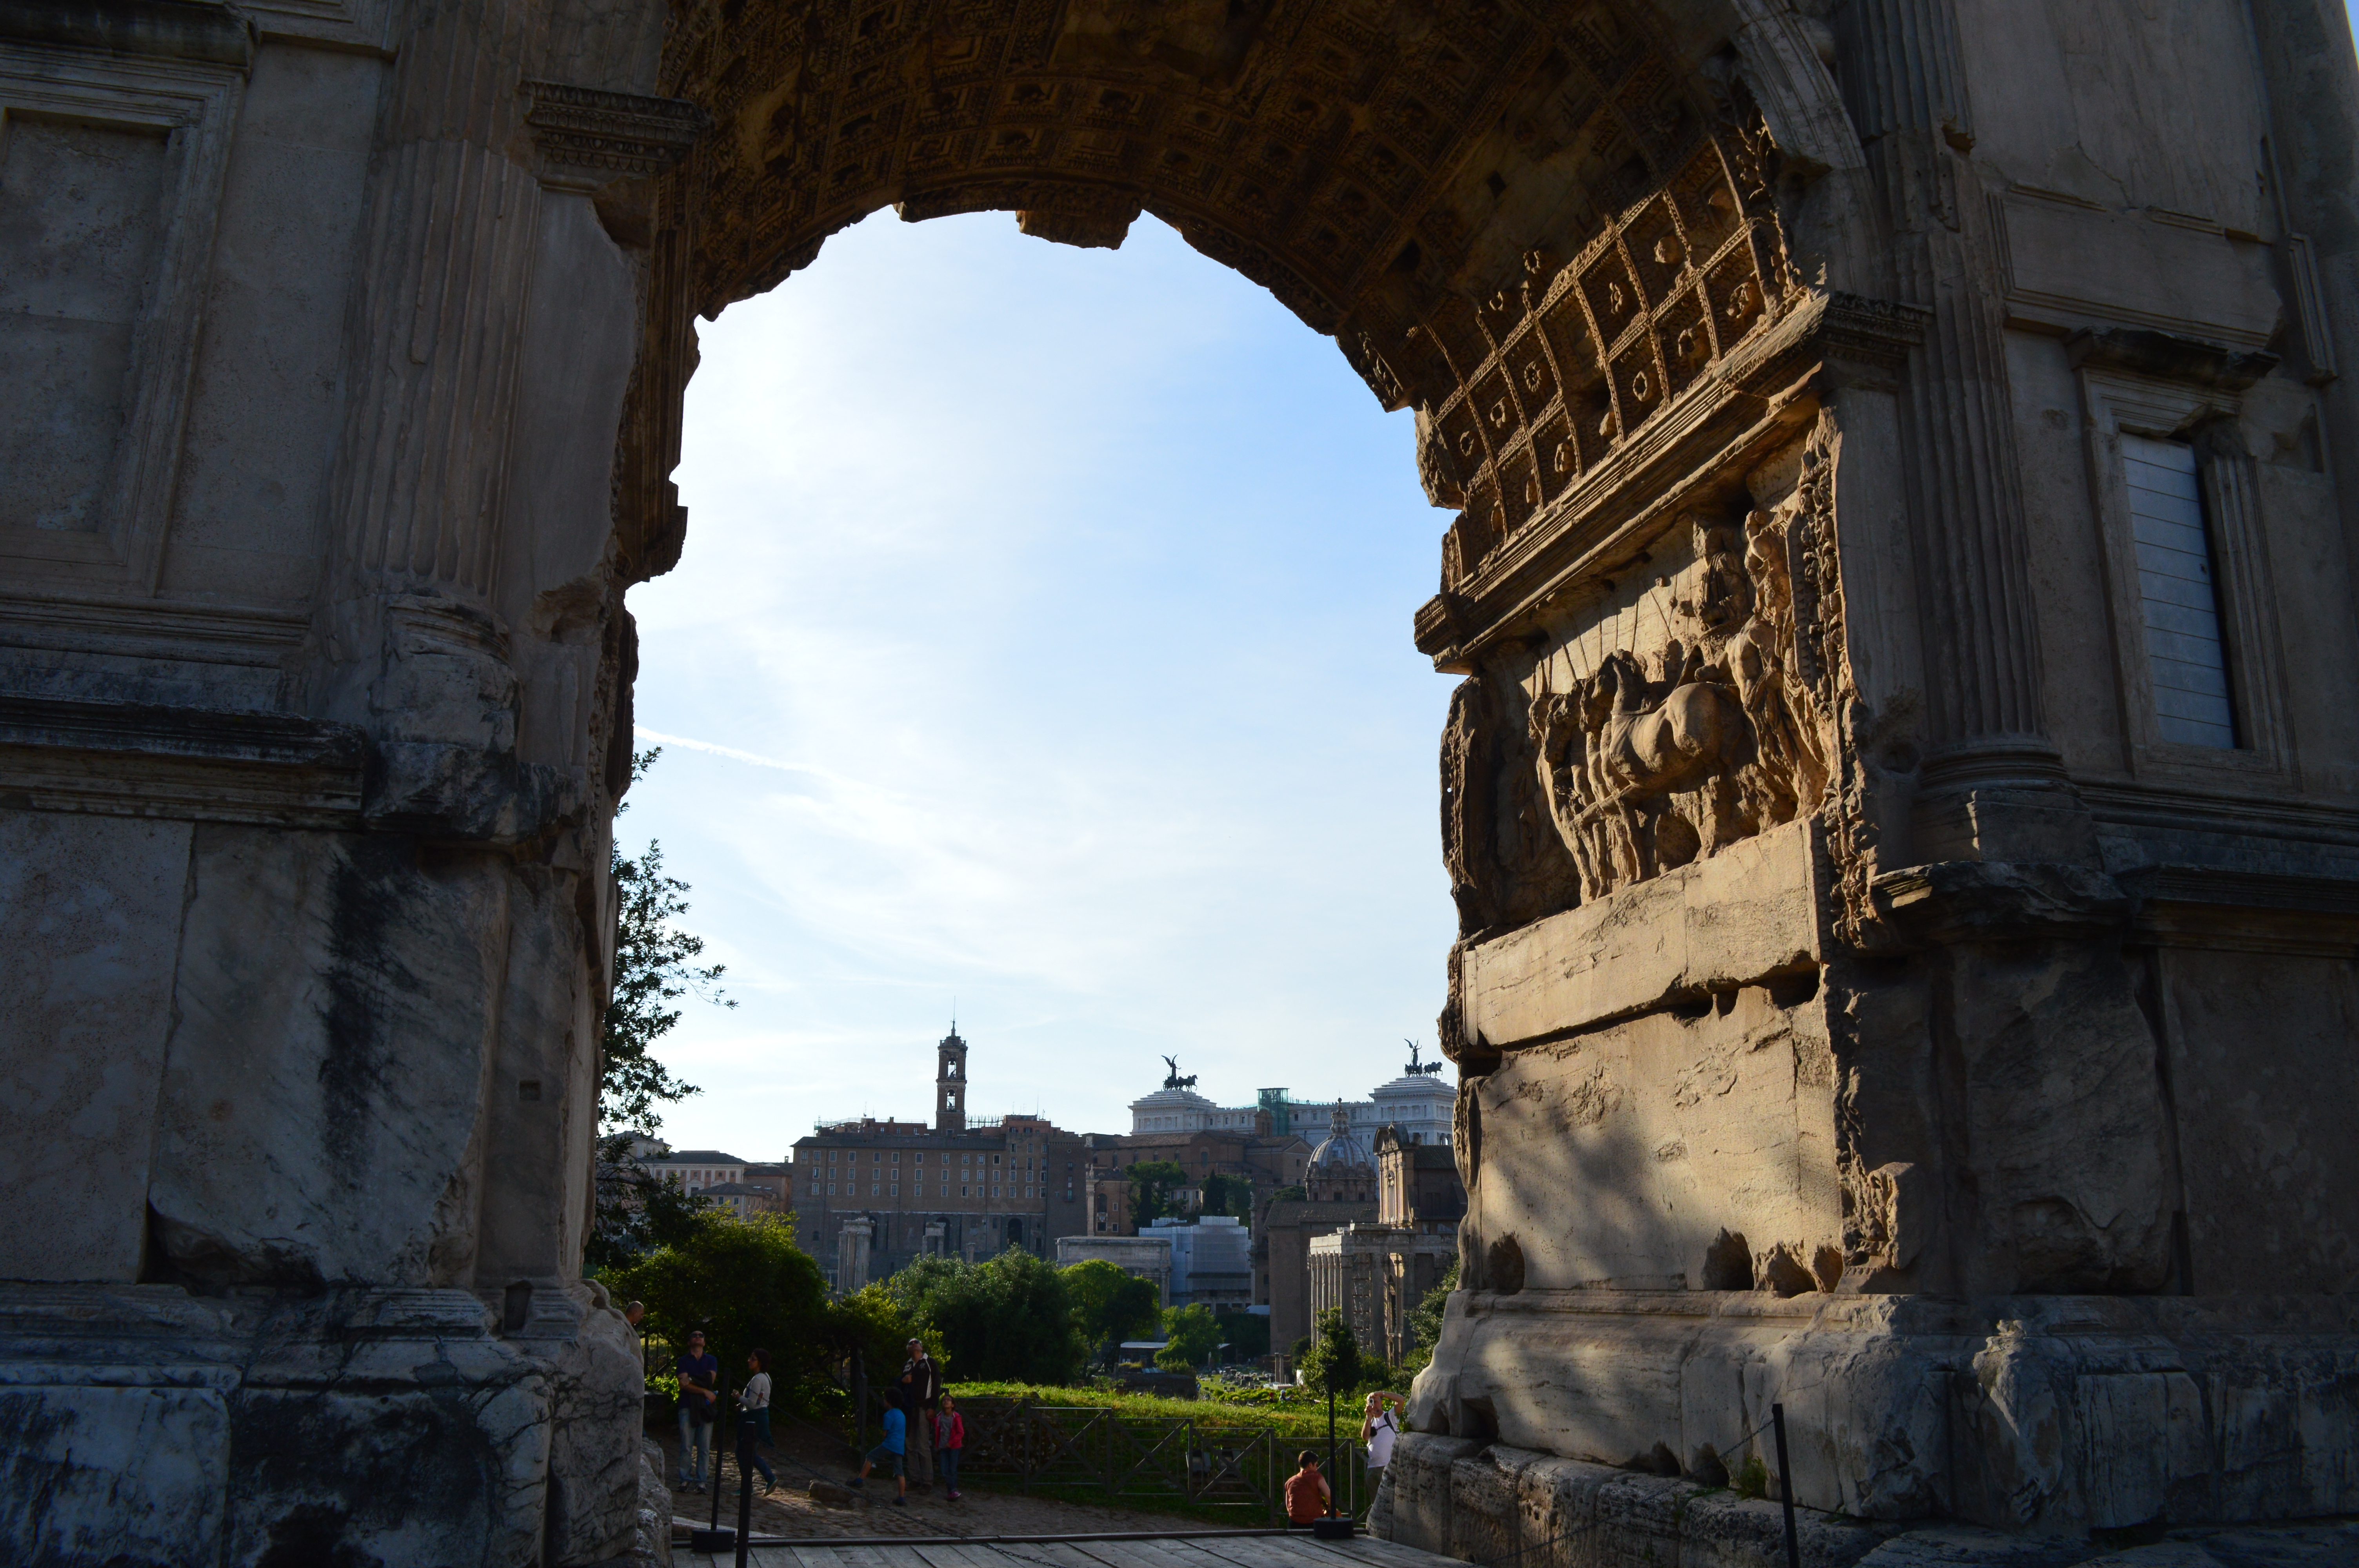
column 1705, row 712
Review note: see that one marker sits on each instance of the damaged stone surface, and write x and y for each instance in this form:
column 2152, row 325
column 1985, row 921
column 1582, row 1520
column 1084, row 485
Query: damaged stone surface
column 1486, row 1502
column 1901, row 802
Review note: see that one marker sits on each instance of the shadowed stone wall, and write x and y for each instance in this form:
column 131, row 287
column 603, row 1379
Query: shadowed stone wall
column 1898, row 803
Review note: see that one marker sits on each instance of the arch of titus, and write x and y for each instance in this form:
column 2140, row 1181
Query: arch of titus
column 1902, row 802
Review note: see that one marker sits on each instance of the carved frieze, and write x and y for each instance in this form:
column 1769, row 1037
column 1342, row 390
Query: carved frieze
column 585, row 131
column 1705, row 712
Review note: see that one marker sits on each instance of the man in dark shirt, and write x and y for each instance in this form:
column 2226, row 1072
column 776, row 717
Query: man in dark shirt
column 921, row 1376
column 699, row 1384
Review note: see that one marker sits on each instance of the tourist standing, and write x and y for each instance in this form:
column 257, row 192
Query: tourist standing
column 753, row 1411
column 921, row 1375
column 950, row 1440
column 700, row 1400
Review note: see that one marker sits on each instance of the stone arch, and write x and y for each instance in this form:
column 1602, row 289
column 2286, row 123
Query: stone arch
column 1540, row 225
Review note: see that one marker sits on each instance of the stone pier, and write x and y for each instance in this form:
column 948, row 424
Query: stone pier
column 1899, row 801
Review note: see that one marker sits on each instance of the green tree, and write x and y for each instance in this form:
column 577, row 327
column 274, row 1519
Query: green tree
column 1151, row 1181
column 1008, row 1317
column 1246, row 1333
column 1232, row 1195
column 872, row 1322
column 1332, row 1364
column 1194, row 1333
column 1425, row 1322
column 637, row 1211
column 655, row 965
column 1109, row 1305
column 746, row 1284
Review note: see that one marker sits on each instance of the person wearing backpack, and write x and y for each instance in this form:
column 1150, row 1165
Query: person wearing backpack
column 1378, row 1429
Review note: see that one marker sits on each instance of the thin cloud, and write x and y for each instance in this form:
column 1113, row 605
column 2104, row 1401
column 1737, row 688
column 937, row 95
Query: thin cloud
column 1040, row 638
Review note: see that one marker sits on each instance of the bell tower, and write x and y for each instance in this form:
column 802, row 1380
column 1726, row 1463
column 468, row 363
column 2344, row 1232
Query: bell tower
column 950, row 1083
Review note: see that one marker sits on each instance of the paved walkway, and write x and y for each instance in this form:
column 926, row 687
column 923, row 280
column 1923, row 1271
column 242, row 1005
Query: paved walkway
column 1177, row 1550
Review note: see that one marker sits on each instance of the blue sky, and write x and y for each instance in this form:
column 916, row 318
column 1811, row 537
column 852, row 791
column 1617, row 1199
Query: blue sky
column 1041, row 647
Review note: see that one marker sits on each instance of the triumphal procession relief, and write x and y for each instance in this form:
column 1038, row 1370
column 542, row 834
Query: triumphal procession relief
column 1901, row 796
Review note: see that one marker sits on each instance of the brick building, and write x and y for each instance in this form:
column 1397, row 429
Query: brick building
column 962, row 1187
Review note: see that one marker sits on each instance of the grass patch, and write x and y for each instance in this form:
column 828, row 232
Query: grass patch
column 1301, row 1418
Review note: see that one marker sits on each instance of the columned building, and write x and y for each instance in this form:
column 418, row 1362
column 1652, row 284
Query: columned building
column 1377, row 1273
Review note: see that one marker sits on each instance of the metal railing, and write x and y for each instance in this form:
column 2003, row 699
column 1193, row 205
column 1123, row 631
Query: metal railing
column 1209, row 1461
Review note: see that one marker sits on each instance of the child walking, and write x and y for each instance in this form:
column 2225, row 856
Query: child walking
column 949, row 1438
column 897, row 1428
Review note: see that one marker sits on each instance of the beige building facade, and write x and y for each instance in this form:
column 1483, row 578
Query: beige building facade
column 1899, row 802
column 1375, row 1273
column 965, row 1187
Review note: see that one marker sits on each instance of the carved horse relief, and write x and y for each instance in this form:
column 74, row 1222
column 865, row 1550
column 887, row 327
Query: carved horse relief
column 1643, row 774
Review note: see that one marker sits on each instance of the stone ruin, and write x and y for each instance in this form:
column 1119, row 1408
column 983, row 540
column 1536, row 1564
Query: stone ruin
column 1909, row 884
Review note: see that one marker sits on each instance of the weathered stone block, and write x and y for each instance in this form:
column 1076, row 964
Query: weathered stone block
column 1711, row 926
column 324, row 1090
column 139, row 1476
column 89, row 913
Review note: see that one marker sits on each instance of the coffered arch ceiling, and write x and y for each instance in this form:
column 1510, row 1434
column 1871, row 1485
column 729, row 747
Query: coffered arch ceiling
column 1539, row 224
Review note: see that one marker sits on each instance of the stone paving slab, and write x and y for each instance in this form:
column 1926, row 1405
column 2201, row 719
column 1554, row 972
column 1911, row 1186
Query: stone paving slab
column 1181, row 1549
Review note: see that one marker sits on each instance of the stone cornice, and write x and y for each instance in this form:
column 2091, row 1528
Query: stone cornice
column 1753, row 396
column 144, row 759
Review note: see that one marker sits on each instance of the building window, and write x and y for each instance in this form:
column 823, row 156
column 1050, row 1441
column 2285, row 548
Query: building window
column 2178, row 608
column 963, row 1193
column 873, row 1191
column 830, row 1189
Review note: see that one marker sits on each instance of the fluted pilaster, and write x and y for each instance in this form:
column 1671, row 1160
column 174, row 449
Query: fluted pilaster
column 440, row 309
column 1985, row 725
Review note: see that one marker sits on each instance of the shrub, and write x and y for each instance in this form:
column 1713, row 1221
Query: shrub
column 745, row 1283
column 1194, row 1333
column 1332, row 1364
column 1005, row 1317
column 1424, row 1323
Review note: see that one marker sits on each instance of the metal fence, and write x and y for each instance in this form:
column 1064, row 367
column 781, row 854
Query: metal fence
column 1204, row 1460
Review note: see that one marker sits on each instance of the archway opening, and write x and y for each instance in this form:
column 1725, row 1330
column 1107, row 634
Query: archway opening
column 1551, row 234
column 1039, row 650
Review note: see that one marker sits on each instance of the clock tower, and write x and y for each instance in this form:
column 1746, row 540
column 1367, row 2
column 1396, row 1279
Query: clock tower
column 950, row 1083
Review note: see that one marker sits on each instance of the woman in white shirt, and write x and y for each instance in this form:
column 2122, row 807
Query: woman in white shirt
column 754, row 1408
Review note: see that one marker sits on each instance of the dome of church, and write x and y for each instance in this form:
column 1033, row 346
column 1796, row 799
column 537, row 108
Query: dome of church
column 1340, row 1150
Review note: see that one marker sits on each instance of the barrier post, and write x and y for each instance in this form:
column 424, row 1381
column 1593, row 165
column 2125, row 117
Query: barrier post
column 745, row 1484
column 1786, row 1487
